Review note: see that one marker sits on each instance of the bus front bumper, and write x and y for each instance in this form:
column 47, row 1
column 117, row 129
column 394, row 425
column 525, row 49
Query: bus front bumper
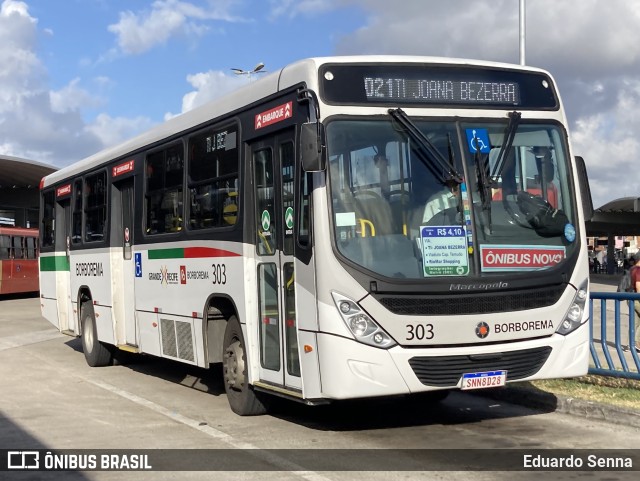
column 353, row 370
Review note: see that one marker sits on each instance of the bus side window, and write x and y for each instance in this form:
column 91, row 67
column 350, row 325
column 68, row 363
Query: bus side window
column 76, row 234
column 213, row 178
column 163, row 197
column 5, row 244
column 95, row 207
column 16, row 247
column 31, row 252
column 48, row 219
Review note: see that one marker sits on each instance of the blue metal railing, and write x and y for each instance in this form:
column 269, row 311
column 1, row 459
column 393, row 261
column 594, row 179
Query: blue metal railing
column 615, row 341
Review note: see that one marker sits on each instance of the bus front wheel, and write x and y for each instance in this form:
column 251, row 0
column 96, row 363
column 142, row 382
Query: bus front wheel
column 95, row 352
column 243, row 400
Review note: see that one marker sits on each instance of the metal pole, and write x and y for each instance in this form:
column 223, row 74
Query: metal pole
column 522, row 32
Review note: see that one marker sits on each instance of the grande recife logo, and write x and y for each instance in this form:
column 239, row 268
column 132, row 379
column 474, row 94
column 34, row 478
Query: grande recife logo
column 520, row 258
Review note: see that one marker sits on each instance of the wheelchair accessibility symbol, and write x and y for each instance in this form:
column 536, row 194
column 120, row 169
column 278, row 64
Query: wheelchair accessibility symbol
column 478, row 140
column 138, row 264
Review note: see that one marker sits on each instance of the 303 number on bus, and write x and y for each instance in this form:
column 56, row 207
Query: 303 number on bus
column 419, row 332
column 219, row 273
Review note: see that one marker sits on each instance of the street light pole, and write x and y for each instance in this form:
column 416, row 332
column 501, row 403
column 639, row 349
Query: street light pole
column 522, row 31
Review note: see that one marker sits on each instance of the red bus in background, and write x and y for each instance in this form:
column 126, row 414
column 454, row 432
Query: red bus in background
column 18, row 260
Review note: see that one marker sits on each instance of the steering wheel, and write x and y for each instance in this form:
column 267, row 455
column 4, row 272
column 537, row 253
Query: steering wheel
column 405, row 196
column 367, row 193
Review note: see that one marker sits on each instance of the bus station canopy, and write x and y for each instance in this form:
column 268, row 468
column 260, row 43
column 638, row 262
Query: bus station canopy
column 16, row 173
column 619, row 217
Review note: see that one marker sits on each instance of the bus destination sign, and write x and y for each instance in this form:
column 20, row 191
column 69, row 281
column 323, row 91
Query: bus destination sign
column 441, row 91
column 437, row 85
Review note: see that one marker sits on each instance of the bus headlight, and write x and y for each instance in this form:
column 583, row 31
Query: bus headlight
column 573, row 318
column 363, row 328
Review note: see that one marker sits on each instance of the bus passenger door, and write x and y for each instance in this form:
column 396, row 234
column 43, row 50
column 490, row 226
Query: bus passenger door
column 273, row 162
column 122, row 263
column 66, row 317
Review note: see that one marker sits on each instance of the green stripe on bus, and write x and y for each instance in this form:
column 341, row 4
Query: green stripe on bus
column 55, row 263
column 175, row 253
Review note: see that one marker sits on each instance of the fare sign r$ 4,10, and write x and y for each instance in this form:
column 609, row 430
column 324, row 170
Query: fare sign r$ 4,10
column 444, row 250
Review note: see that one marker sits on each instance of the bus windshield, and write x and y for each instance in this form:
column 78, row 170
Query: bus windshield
column 399, row 214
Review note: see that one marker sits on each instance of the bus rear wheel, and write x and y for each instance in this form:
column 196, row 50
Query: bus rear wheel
column 95, row 352
column 243, row 400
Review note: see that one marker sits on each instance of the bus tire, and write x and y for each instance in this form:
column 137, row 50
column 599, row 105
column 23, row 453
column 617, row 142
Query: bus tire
column 242, row 398
column 95, row 352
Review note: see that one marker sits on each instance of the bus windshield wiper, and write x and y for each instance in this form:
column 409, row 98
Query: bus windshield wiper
column 487, row 180
column 509, row 135
column 427, row 152
column 484, row 188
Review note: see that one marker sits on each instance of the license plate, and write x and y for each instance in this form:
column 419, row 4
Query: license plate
column 481, row 380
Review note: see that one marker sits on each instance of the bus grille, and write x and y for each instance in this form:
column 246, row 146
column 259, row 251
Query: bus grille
column 446, row 371
column 480, row 303
column 177, row 339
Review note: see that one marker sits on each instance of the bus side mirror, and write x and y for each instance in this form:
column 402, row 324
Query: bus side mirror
column 312, row 147
column 585, row 190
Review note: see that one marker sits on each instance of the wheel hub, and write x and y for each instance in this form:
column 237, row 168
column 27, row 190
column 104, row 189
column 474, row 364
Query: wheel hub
column 234, row 366
column 87, row 333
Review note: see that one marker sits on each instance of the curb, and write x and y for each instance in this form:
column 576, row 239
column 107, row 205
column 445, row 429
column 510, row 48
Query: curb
column 538, row 399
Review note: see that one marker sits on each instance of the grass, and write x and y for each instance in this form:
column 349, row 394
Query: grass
column 601, row 389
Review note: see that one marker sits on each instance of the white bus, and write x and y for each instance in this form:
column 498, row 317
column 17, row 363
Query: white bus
column 345, row 227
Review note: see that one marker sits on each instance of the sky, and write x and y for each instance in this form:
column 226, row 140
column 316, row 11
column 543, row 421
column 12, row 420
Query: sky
column 77, row 76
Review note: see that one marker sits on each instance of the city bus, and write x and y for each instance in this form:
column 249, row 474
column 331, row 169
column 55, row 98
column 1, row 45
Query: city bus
column 18, row 260
column 345, row 227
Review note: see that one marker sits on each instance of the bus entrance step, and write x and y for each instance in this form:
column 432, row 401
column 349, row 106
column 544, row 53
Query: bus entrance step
column 129, row 348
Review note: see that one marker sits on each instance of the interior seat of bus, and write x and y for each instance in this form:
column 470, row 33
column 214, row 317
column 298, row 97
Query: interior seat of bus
column 373, row 208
